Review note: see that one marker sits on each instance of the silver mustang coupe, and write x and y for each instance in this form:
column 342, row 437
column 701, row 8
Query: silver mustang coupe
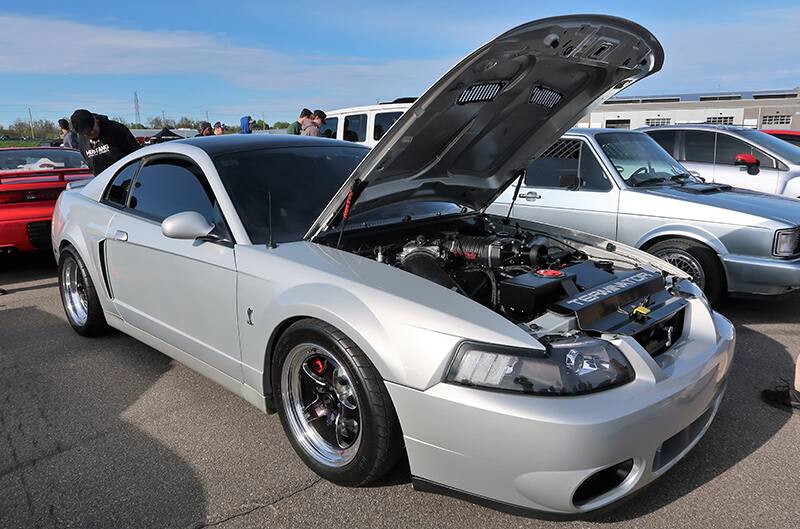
column 622, row 185
column 367, row 297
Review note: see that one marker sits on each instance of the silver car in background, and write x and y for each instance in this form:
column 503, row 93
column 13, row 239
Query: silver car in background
column 622, row 185
column 745, row 158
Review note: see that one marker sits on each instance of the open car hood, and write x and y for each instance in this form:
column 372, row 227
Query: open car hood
column 467, row 138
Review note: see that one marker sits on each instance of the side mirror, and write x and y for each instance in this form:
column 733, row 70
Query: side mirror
column 186, row 225
column 749, row 161
column 569, row 181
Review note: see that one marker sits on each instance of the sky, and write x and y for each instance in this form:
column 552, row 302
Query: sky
column 229, row 58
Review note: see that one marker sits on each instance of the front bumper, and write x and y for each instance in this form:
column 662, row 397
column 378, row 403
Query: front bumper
column 761, row 275
column 532, row 453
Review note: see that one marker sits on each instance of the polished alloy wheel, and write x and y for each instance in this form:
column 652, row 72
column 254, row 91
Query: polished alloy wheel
column 320, row 404
column 73, row 290
column 686, row 262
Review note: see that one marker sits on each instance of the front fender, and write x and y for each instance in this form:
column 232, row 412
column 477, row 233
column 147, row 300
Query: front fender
column 683, row 231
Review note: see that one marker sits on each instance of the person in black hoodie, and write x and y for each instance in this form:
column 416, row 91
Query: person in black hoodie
column 101, row 140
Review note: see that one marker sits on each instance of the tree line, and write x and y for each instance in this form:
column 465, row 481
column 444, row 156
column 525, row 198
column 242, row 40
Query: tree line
column 47, row 129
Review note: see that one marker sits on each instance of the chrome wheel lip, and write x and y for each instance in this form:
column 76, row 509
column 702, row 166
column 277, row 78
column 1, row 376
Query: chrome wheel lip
column 73, row 292
column 294, row 407
column 685, row 262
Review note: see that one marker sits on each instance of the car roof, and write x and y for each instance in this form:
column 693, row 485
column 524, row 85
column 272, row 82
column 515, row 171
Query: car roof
column 594, row 131
column 695, row 126
column 776, row 132
column 380, row 107
column 214, row 145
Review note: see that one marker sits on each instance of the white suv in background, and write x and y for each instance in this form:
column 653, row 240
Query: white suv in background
column 744, row 158
column 364, row 125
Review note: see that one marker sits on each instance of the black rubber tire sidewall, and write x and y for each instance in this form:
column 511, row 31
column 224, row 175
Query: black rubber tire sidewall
column 95, row 322
column 381, row 440
column 708, row 261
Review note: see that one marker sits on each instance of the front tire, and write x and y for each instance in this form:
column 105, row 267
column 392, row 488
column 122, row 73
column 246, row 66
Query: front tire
column 333, row 405
column 696, row 259
column 79, row 296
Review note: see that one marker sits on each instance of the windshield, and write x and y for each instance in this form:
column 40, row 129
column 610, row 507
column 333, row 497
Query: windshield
column 299, row 182
column 787, row 151
column 17, row 160
column 641, row 161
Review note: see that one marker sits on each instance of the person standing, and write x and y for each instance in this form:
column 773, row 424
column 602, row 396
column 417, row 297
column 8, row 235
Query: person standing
column 101, row 141
column 247, row 123
column 312, row 126
column 785, row 397
column 297, row 127
column 69, row 139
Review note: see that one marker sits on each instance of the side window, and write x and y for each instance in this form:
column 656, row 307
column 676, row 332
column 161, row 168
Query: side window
column 728, row 147
column 698, row 146
column 117, row 191
column 328, row 130
column 383, row 121
column 665, row 138
column 355, row 128
column 567, row 158
column 166, row 187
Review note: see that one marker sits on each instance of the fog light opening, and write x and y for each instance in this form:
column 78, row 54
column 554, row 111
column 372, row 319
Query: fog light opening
column 602, row 482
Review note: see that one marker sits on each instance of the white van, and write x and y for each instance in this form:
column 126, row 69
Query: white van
column 365, row 125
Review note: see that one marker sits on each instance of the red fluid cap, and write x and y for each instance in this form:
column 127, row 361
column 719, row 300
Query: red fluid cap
column 549, row 272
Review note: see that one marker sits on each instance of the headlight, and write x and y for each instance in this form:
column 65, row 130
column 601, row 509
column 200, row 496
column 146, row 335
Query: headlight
column 567, row 366
column 786, row 242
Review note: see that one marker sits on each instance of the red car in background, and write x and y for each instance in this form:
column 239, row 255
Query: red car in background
column 792, row 136
column 31, row 178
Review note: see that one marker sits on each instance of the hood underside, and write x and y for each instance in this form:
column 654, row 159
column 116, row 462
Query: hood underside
column 475, row 129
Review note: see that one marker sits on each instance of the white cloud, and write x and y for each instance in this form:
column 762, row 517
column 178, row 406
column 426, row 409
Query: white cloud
column 94, row 50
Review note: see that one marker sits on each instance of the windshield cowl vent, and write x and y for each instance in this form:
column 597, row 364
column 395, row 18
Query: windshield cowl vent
column 545, row 97
column 479, row 93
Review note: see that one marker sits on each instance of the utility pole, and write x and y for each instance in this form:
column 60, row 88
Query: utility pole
column 136, row 107
column 206, row 115
column 30, row 122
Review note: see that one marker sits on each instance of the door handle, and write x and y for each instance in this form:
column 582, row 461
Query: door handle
column 121, row 235
column 530, row 196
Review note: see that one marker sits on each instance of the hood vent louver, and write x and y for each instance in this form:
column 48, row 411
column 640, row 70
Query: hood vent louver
column 545, row 97
column 479, row 93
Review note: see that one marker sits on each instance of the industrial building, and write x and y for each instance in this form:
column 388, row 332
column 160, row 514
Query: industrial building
column 767, row 109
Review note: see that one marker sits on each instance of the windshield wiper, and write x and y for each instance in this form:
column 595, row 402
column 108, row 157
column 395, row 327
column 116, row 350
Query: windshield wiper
column 650, row 182
column 681, row 177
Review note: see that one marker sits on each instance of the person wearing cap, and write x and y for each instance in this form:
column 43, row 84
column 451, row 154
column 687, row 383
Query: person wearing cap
column 297, row 127
column 219, row 129
column 102, row 141
column 247, row 123
column 204, row 129
column 312, row 126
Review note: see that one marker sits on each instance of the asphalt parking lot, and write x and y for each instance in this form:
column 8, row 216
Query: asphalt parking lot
column 108, row 432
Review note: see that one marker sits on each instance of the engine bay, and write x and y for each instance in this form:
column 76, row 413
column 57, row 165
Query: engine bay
column 537, row 280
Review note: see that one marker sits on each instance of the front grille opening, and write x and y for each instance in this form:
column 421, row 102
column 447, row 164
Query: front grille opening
column 602, row 482
column 479, row 93
column 672, row 447
column 658, row 338
column 545, row 97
